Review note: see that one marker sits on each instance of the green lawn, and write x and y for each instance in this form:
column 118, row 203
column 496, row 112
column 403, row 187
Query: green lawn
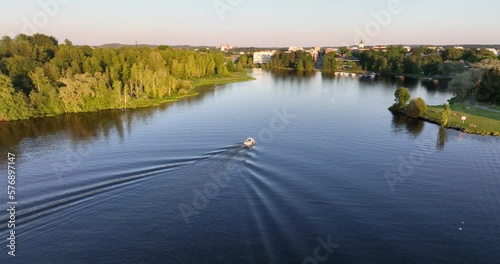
column 472, row 110
column 486, row 122
column 231, row 78
column 490, row 106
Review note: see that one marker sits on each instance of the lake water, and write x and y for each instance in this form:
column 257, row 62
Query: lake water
column 334, row 178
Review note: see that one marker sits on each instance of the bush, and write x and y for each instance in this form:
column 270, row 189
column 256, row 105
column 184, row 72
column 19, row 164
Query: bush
column 416, row 108
column 445, row 114
column 182, row 92
column 183, row 87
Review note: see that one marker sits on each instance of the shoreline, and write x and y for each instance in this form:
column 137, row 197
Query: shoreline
column 234, row 77
column 452, row 124
column 358, row 73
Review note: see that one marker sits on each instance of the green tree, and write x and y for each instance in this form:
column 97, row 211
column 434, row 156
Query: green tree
column 300, row 65
column 416, row 108
column 489, row 86
column 445, row 114
column 239, row 66
column 402, row 95
column 244, row 60
column 230, row 65
column 451, row 68
column 464, row 84
column 431, row 63
column 330, row 62
column 471, row 56
column 344, row 51
column 76, row 91
column 44, row 99
column 250, row 63
column 452, row 54
column 44, row 46
column 18, row 68
column 395, row 56
column 413, row 64
column 485, row 54
column 13, row 105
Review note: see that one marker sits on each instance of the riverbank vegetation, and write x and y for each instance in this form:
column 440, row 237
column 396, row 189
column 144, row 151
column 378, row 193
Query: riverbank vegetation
column 421, row 61
column 404, row 104
column 296, row 60
column 479, row 120
column 330, row 63
column 40, row 77
column 480, row 83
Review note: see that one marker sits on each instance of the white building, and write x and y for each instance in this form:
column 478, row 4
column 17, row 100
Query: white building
column 294, row 49
column 361, row 45
column 328, row 50
column 495, row 51
column 225, row 47
column 314, row 53
column 262, row 57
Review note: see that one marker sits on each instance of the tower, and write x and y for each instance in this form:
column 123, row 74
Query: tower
column 361, row 45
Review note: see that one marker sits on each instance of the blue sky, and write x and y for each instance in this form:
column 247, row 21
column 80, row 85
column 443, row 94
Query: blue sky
column 255, row 22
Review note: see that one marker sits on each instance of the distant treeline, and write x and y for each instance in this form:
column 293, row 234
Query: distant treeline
column 395, row 60
column 40, row 77
column 474, row 73
column 298, row 60
column 420, row 61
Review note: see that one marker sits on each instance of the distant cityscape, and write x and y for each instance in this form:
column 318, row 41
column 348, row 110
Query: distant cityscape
column 262, row 57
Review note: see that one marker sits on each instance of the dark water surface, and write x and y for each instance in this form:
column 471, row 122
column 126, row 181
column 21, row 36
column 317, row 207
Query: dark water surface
column 334, row 178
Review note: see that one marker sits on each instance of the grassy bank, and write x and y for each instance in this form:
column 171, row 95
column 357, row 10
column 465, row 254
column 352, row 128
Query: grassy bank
column 479, row 121
column 195, row 83
column 232, row 78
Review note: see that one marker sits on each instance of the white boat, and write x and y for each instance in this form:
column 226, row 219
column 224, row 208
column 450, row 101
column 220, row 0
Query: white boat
column 249, row 142
column 369, row 75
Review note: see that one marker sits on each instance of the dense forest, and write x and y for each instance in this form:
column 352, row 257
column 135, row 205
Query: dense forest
column 40, row 77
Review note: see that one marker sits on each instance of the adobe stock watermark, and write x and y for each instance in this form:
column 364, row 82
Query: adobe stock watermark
column 278, row 123
column 210, row 190
column 380, row 20
column 407, row 165
column 48, row 9
column 323, row 251
column 224, row 6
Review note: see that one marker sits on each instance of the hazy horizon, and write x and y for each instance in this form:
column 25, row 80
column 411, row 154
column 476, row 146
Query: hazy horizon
column 257, row 23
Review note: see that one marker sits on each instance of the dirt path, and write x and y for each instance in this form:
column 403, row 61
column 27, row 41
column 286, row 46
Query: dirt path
column 486, row 108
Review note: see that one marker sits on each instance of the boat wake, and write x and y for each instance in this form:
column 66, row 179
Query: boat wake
column 38, row 206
